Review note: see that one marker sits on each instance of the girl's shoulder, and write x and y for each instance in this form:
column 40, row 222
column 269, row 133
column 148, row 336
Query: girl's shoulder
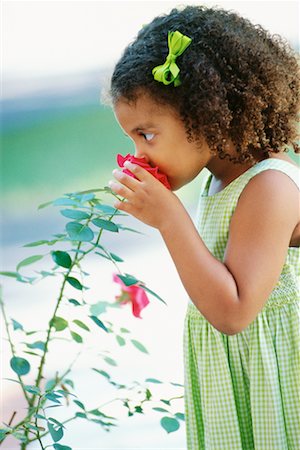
column 283, row 165
column 268, row 168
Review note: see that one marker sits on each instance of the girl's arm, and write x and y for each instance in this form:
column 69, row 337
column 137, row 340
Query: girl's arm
column 229, row 294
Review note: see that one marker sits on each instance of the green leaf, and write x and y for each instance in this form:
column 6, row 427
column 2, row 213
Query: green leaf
column 38, row 344
column 17, row 325
column 59, row 323
column 98, row 308
column 180, row 416
column 19, row 435
column 154, row 294
column 177, row 384
column 106, row 209
column 33, row 427
column 45, row 273
column 102, row 372
column 99, row 323
column 110, row 361
column 80, row 414
column 102, row 255
column 106, row 225
column 128, row 280
column 69, row 382
column 79, row 232
column 56, row 434
column 124, row 330
column 53, row 397
column 62, row 259
column 75, row 302
column 86, row 197
column 121, row 341
column 160, row 410
column 3, row 433
column 78, row 403
column 98, row 413
column 43, row 205
column 36, row 243
column 139, row 346
column 32, row 389
column 121, row 227
column 19, row 365
column 75, row 283
column 167, row 402
column 50, row 385
column 10, row 274
column 116, row 258
column 63, row 201
column 153, row 380
column 81, row 324
column 40, row 416
column 169, row 424
column 76, row 337
column 30, row 260
column 61, row 447
column 75, row 214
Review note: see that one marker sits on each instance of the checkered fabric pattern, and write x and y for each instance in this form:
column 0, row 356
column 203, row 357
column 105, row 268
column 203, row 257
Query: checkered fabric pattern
column 242, row 392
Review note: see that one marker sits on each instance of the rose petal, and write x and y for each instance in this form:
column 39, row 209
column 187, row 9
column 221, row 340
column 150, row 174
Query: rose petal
column 143, row 163
column 134, row 294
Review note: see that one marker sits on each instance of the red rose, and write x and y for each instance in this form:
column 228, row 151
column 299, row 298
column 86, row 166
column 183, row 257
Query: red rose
column 134, row 294
column 142, row 163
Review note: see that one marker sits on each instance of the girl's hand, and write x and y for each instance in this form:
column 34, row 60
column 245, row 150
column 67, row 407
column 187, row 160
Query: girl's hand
column 145, row 197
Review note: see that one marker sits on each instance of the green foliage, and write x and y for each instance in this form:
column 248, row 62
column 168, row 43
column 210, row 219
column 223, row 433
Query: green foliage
column 19, row 365
column 59, row 323
column 62, row 259
column 75, row 283
column 139, row 346
column 99, row 323
column 56, row 429
column 79, row 232
column 30, row 260
column 170, row 424
column 90, row 217
column 61, row 447
column 106, row 225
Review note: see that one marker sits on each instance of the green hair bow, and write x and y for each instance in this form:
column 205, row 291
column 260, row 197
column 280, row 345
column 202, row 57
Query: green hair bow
column 169, row 71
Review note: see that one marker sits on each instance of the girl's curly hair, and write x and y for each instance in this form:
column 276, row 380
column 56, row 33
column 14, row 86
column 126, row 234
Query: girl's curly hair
column 238, row 81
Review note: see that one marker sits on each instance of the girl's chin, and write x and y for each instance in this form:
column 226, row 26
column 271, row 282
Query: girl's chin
column 175, row 184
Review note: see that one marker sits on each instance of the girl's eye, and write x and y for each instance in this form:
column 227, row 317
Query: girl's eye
column 148, row 136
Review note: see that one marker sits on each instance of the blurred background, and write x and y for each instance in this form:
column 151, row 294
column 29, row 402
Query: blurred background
column 57, row 137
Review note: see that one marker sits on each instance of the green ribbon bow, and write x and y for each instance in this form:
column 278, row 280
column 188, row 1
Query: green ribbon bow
column 169, row 71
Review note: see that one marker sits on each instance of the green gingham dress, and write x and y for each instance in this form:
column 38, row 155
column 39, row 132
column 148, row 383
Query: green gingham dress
column 242, row 392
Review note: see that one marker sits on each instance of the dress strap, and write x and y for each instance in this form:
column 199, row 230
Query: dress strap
column 291, row 170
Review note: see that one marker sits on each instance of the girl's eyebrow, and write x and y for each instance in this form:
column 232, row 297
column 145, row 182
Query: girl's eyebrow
column 144, row 126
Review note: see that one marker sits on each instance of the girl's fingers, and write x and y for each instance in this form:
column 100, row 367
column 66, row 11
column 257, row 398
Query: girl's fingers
column 120, row 189
column 126, row 180
column 140, row 173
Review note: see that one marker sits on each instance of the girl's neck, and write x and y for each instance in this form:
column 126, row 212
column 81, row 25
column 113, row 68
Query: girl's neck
column 225, row 171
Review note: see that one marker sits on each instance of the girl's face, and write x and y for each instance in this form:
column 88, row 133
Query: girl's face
column 159, row 136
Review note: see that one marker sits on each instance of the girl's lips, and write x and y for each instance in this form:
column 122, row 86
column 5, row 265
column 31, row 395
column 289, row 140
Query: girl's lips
column 145, row 165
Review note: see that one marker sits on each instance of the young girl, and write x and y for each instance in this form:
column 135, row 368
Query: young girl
column 203, row 87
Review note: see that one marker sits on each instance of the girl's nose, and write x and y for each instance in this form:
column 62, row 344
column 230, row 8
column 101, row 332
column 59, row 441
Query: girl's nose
column 141, row 154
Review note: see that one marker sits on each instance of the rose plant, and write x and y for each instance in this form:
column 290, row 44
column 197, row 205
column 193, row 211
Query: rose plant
column 88, row 218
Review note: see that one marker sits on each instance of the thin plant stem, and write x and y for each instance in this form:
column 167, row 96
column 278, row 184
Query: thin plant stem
column 12, row 347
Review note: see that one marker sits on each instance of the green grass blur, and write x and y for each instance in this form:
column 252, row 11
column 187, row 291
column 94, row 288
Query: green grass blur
column 66, row 150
